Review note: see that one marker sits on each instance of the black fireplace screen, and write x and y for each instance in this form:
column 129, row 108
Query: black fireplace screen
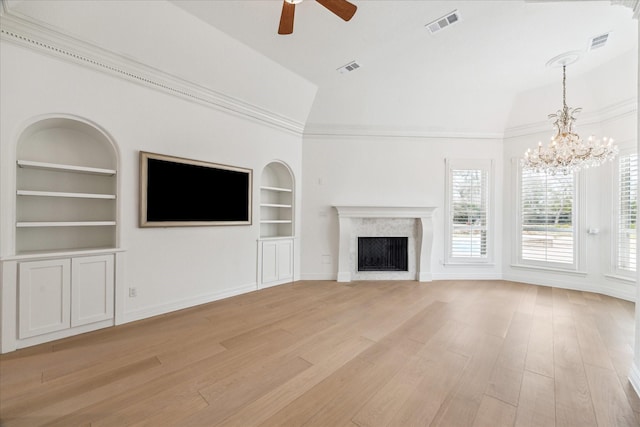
column 382, row 254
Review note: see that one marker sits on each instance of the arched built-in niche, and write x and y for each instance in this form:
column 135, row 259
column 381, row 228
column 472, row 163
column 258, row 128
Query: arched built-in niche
column 66, row 187
column 277, row 215
column 61, row 280
column 276, row 201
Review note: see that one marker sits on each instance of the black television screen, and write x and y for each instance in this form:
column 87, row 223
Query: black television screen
column 178, row 192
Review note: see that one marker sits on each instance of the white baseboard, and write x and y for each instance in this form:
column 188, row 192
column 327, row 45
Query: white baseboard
column 582, row 285
column 466, row 276
column 344, row 277
column 634, row 378
column 318, row 276
column 424, row 277
column 147, row 312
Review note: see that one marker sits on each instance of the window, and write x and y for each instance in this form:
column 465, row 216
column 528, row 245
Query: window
column 547, row 220
column 625, row 217
column 468, row 207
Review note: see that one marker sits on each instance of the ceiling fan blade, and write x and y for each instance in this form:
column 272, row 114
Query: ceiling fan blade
column 342, row 8
column 286, row 18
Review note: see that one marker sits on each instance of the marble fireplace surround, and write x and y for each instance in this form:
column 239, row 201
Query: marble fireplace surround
column 413, row 222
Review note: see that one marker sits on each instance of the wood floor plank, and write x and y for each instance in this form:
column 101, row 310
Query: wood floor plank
column 494, row 413
column 368, row 353
column 609, row 399
column 386, row 403
column 227, row 396
column 461, row 407
column 574, row 405
column 506, row 377
column 537, row 403
column 260, row 410
column 439, row 380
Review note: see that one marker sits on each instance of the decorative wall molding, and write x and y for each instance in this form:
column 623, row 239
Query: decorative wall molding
column 21, row 31
column 333, row 131
column 610, row 112
column 337, row 131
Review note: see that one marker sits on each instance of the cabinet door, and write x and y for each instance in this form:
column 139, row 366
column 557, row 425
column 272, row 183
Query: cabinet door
column 269, row 262
column 92, row 289
column 285, row 259
column 44, row 297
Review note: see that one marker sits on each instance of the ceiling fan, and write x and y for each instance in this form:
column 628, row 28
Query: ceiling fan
column 342, row 8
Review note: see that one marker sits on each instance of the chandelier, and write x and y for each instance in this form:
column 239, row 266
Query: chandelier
column 567, row 152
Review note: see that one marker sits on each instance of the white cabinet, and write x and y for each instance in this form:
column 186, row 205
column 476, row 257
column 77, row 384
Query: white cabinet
column 44, row 297
column 276, row 261
column 92, row 289
column 59, row 294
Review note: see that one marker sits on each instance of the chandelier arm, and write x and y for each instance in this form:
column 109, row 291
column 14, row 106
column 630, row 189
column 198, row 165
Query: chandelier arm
column 567, row 152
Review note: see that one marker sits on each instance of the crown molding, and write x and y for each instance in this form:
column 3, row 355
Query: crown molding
column 611, row 112
column 335, row 131
column 36, row 36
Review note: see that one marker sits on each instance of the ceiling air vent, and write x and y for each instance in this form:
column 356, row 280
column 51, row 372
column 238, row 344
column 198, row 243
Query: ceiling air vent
column 351, row 66
column 598, row 41
column 445, row 21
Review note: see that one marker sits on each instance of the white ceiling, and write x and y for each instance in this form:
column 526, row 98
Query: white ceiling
column 412, row 79
column 468, row 79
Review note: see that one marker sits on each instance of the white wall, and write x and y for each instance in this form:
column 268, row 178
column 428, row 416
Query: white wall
column 384, row 171
column 174, row 267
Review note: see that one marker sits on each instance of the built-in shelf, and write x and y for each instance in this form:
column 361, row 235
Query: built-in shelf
column 286, row 190
column 62, row 194
column 276, row 201
column 64, row 168
column 27, row 224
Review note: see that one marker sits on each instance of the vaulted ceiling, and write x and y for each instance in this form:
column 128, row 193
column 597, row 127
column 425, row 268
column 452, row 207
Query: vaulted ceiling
column 461, row 79
column 467, row 78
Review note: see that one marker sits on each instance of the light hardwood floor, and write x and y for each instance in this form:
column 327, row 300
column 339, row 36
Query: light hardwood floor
column 455, row 353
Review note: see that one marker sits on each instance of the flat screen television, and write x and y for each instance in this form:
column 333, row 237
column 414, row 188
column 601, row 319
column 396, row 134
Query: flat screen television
column 178, row 192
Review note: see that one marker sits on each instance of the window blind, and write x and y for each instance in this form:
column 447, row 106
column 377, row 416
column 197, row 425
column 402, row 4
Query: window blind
column 547, row 225
column 469, row 211
column 627, row 210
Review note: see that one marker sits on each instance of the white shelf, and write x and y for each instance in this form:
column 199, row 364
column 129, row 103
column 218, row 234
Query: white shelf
column 65, row 224
column 64, row 168
column 286, row 190
column 274, row 205
column 275, row 221
column 61, row 194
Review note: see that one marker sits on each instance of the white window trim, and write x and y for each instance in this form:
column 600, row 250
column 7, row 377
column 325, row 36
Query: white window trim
column 481, row 164
column 579, row 219
column 616, row 272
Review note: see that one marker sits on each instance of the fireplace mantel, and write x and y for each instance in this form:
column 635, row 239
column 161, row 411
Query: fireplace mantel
column 424, row 215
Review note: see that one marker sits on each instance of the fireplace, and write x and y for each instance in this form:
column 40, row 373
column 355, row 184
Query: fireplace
column 384, row 221
column 383, row 254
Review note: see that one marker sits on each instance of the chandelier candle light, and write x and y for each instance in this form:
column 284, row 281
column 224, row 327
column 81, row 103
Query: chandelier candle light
column 567, row 152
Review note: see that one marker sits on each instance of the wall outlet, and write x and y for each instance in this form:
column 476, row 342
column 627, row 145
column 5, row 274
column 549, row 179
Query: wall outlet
column 133, row 292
